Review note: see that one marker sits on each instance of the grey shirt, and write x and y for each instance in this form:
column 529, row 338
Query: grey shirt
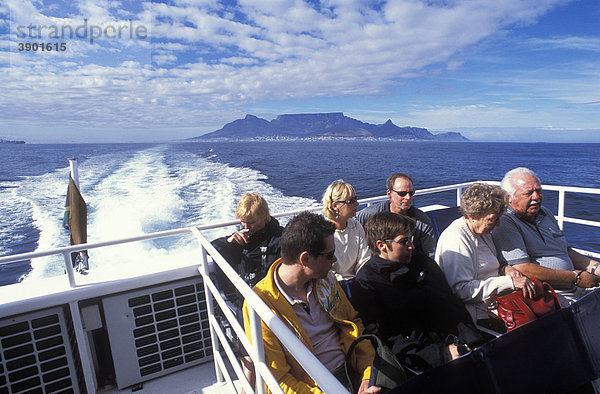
column 425, row 238
column 542, row 242
column 318, row 325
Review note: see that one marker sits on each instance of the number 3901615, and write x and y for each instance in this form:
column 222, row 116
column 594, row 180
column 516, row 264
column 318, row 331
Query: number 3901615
column 42, row 47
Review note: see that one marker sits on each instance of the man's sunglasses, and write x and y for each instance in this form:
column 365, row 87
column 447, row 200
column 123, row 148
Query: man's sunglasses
column 404, row 241
column 403, row 194
column 349, row 201
column 328, row 255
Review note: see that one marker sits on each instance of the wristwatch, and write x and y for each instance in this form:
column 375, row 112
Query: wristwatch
column 578, row 277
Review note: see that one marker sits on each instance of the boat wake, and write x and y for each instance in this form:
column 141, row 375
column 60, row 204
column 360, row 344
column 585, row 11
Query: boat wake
column 130, row 193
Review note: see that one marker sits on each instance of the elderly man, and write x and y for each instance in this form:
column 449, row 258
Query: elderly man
column 529, row 239
column 300, row 290
column 400, row 192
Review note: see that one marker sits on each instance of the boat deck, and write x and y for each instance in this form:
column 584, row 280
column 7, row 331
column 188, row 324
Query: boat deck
column 200, row 379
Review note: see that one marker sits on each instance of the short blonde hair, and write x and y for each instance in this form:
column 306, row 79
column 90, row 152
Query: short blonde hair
column 481, row 199
column 252, row 205
column 333, row 194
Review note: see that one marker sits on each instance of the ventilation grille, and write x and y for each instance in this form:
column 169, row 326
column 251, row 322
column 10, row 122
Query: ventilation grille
column 36, row 354
column 157, row 330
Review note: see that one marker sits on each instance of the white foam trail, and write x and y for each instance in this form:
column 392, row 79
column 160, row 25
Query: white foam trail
column 46, row 194
column 154, row 189
column 142, row 196
column 40, row 196
column 217, row 188
column 158, row 191
column 15, row 213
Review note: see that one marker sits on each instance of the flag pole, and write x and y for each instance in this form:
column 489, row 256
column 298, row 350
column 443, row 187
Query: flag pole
column 79, row 259
column 74, row 166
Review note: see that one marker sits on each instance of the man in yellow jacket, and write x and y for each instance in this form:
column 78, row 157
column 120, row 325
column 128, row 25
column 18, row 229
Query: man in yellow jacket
column 301, row 291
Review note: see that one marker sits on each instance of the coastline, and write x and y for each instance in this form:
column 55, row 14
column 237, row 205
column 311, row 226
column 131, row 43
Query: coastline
column 11, row 142
column 311, row 139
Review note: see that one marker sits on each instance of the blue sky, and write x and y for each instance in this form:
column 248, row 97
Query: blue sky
column 510, row 70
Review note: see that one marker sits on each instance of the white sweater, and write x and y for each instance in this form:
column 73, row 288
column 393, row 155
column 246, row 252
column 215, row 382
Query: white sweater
column 351, row 249
column 471, row 278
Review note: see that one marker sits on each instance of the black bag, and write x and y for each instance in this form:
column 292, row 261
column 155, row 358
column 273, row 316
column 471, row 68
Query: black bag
column 386, row 371
column 420, row 351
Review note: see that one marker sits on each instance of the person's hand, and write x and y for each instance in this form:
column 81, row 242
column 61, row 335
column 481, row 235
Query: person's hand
column 453, row 348
column 588, row 280
column 241, row 237
column 596, row 268
column 366, row 389
column 526, row 285
column 512, row 272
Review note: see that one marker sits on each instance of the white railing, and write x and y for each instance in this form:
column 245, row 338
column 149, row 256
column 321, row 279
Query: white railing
column 459, row 187
column 562, row 190
column 258, row 310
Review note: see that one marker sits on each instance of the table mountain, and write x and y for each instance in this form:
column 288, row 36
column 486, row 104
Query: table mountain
column 321, row 125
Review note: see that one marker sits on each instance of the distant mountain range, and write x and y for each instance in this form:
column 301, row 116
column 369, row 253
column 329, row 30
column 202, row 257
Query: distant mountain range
column 321, row 126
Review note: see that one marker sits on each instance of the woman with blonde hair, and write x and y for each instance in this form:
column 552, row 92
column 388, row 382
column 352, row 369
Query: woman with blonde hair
column 467, row 255
column 351, row 250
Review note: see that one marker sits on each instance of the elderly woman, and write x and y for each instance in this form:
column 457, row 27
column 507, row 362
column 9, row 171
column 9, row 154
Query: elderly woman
column 252, row 249
column 351, row 250
column 467, row 255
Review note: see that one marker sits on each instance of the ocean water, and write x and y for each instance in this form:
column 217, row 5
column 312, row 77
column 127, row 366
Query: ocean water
column 136, row 188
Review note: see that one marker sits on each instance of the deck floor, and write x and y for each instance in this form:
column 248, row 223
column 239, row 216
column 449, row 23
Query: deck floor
column 200, row 379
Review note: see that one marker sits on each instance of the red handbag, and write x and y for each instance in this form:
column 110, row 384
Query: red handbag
column 515, row 309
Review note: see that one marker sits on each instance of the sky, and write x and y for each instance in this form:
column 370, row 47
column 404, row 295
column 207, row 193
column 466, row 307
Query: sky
column 136, row 71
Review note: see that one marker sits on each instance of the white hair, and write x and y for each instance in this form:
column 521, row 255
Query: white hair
column 508, row 182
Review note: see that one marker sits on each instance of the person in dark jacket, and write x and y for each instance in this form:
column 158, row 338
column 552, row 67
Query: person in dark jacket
column 255, row 246
column 403, row 297
column 250, row 251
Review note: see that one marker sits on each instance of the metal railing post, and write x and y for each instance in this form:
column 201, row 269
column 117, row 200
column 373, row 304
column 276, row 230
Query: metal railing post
column 85, row 353
column 210, row 308
column 257, row 346
column 297, row 349
column 458, row 194
column 561, row 209
column 69, row 269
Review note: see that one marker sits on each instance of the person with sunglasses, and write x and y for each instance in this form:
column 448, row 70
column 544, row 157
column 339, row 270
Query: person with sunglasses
column 351, row 251
column 403, row 298
column 300, row 290
column 400, row 192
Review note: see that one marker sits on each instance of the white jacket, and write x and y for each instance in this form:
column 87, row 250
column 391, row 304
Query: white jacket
column 351, row 249
column 471, row 280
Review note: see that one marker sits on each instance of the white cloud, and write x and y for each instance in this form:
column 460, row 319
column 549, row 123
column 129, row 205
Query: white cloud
column 211, row 60
column 163, row 59
column 476, row 115
column 591, row 44
column 237, row 60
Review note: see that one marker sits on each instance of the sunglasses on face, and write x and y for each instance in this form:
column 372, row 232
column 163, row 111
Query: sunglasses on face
column 404, row 241
column 328, row 255
column 349, row 201
column 403, row 194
